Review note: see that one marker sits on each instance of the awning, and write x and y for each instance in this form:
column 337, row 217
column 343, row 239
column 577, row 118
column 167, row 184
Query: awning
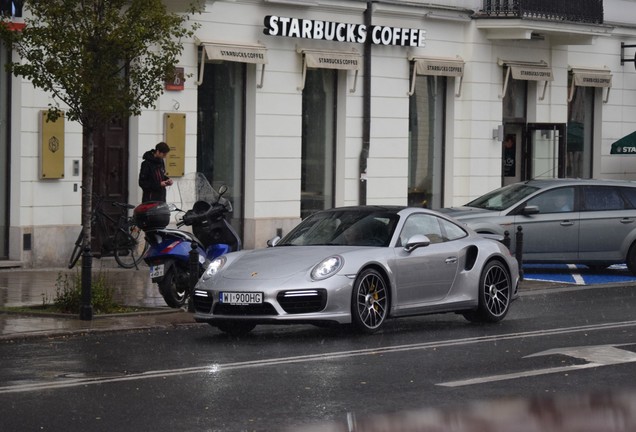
column 625, row 145
column 438, row 66
column 529, row 71
column 587, row 77
column 235, row 52
column 318, row 59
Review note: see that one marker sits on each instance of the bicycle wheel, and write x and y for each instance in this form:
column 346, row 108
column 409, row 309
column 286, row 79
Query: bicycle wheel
column 77, row 250
column 129, row 246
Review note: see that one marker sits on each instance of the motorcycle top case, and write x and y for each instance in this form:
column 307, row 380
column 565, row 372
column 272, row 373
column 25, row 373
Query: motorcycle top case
column 152, row 215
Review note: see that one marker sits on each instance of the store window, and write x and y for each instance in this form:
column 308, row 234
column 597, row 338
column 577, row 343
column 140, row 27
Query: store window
column 318, row 141
column 221, row 126
column 578, row 161
column 515, row 101
column 426, row 143
column 586, row 85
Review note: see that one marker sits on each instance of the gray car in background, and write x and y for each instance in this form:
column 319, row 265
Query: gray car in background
column 574, row 221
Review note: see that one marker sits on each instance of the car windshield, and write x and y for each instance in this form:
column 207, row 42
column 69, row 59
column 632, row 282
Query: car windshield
column 504, row 197
column 343, row 228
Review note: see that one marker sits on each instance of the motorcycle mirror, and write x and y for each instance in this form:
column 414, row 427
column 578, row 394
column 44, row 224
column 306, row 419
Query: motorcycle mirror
column 222, row 189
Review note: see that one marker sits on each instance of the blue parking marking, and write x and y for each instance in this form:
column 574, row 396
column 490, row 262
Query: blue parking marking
column 577, row 274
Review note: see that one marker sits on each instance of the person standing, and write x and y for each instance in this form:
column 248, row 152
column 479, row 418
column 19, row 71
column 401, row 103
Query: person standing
column 152, row 174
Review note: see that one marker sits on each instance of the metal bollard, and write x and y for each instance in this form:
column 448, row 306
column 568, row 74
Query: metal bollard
column 519, row 250
column 194, row 273
column 86, row 307
column 506, row 239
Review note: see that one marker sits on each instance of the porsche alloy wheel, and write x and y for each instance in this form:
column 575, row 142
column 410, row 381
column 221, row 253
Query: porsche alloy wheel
column 495, row 289
column 370, row 302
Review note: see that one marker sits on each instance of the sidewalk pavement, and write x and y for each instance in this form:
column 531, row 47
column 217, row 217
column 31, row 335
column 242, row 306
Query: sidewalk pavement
column 32, row 287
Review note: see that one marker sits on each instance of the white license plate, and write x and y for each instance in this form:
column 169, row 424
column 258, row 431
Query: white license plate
column 241, row 298
column 156, row 271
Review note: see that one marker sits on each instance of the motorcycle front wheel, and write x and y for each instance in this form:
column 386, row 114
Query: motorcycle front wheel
column 173, row 289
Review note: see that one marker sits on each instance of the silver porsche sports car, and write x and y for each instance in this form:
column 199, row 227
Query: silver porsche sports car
column 361, row 266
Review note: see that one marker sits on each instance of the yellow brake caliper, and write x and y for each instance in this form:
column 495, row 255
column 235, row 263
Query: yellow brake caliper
column 374, row 294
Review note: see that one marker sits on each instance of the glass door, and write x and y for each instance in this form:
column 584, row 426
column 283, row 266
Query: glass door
column 318, row 141
column 511, row 153
column 545, row 145
column 427, row 106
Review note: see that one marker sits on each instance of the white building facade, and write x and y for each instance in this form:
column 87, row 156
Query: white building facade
column 304, row 105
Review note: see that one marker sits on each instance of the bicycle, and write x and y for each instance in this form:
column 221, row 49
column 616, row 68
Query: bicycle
column 127, row 242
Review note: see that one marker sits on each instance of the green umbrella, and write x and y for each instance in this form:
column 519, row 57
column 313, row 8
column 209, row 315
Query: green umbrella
column 625, row 145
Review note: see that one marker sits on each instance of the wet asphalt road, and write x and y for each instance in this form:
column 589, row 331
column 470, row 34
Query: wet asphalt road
column 195, row 378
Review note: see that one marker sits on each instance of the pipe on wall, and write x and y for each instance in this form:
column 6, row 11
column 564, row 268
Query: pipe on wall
column 366, row 109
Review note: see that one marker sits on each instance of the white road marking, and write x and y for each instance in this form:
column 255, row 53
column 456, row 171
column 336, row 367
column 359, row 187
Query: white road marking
column 219, row 368
column 597, row 355
column 525, row 374
column 601, row 354
column 578, row 279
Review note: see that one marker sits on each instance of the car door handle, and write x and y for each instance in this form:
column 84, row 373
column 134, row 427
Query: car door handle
column 567, row 223
column 450, row 260
column 627, row 220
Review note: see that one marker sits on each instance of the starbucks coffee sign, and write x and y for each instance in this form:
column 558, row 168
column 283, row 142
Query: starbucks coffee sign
column 343, row 32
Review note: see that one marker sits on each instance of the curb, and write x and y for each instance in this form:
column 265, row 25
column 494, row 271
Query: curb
column 144, row 310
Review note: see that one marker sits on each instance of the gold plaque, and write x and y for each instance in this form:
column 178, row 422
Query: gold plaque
column 175, row 133
column 52, row 147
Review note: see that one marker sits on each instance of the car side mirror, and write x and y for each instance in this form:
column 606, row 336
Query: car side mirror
column 530, row 210
column 273, row 242
column 416, row 241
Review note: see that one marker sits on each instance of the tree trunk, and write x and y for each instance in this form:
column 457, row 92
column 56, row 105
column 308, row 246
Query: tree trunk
column 86, row 308
column 87, row 186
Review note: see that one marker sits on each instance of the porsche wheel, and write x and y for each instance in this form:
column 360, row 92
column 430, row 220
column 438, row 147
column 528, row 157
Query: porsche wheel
column 369, row 301
column 495, row 289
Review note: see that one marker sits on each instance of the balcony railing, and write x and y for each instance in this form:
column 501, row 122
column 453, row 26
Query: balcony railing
column 579, row 11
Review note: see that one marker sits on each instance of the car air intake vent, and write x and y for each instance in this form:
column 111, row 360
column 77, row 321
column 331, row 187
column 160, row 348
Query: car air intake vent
column 244, row 310
column 202, row 301
column 471, row 257
column 302, row 301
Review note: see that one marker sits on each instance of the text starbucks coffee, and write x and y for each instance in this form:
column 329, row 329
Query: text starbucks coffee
column 342, row 32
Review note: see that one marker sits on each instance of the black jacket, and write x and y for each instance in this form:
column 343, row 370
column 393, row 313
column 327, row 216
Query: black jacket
column 151, row 174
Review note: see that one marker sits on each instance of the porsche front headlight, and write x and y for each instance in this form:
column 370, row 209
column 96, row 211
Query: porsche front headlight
column 214, row 267
column 327, row 267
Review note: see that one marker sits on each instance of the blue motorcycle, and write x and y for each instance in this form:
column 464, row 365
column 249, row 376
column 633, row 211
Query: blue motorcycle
column 169, row 253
